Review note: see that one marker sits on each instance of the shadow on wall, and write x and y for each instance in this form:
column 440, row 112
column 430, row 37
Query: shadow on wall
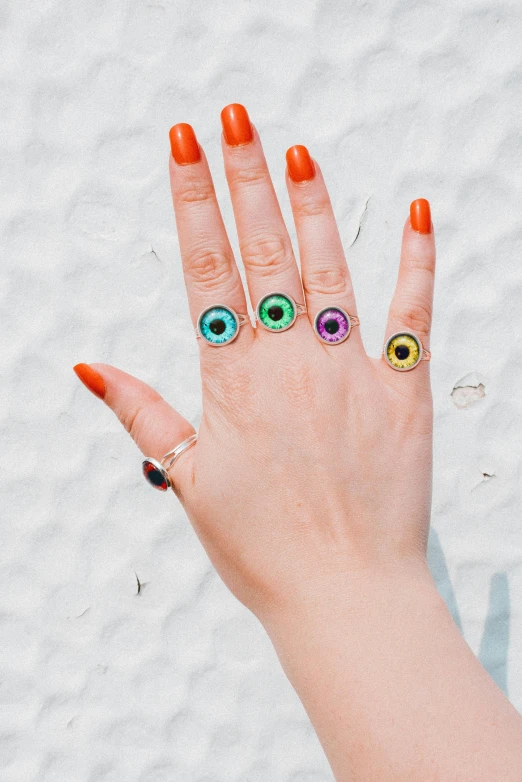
column 495, row 639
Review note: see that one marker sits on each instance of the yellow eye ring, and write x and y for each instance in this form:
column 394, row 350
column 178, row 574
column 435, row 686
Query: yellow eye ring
column 403, row 351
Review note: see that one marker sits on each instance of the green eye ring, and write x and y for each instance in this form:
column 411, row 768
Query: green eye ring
column 277, row 311
column 403, row 351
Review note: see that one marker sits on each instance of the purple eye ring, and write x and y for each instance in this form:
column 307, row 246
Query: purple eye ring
column 333, row 325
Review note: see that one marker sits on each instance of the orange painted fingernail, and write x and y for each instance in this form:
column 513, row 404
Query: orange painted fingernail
column 420, row 216
column 236, row 125
column 90, row 378
column 184, row 144
column 300, row 164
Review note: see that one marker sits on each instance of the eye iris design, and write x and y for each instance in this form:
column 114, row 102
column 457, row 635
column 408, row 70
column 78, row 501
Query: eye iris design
column 403, row 351
column 154, row 476
column 276, row 312
column 218, row 325
column 332, row 325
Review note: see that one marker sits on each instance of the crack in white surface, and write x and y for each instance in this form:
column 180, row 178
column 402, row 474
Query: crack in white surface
column 468, row 390
column 361, row 219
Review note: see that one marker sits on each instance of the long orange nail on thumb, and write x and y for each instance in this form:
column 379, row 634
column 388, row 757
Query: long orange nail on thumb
column 92, row 379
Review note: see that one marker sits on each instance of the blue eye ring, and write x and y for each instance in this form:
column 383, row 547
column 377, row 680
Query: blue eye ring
column 230, row 323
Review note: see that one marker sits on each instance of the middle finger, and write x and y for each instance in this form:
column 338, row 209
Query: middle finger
column 265, row 245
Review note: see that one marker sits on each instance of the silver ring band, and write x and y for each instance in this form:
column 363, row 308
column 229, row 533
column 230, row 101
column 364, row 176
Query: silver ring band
column 156, row 473
column 178, row 450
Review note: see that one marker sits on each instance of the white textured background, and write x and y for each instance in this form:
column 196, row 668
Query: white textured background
column 397, row 99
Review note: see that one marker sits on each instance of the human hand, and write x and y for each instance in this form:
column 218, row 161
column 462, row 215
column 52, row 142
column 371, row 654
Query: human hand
column 312, row 460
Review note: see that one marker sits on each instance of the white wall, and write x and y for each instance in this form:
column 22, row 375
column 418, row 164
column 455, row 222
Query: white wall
column 397, row 99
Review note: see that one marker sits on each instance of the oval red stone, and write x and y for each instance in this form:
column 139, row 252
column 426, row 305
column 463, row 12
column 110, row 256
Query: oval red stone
column 154, row 476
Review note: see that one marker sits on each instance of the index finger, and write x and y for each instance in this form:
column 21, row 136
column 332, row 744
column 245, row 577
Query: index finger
column 211, row 273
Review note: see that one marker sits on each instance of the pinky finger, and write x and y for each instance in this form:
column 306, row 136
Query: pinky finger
column 153, row 424
column 412, row 304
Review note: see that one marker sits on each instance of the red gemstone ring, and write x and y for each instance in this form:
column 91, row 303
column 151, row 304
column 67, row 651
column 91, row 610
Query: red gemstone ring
column 156, row 473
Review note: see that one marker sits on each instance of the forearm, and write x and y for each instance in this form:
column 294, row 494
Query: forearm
column 391, row 687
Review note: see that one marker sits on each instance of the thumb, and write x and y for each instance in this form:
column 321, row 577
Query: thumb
column 153, row 424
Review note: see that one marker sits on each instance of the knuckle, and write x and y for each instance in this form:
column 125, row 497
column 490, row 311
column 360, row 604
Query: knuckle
column 130, row 419
column 415, row 315
column 229, row 387
column 195, row 191
column 245, row 176
column 423, row 263
column 312, row 206
column 327, row 279
column 222, row 377
column 208, row 267
column 298, row 385
column 266, row 251
column 230, row 395
column 133, row 418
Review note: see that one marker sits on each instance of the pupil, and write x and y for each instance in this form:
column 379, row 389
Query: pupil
column 156, row 478
column 217, row 326
column 331, row 326
column 402, row 352
column 275, row 313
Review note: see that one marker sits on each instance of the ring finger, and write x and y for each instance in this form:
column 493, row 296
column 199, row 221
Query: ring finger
column 266, row 248
column 325, row 273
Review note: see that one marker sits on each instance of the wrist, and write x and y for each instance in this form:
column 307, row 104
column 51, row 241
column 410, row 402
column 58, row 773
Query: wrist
column 388, row 682
column 360, row 594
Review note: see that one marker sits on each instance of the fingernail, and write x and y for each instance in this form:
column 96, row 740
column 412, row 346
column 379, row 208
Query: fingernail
column 300, row 164
column 184, row 144
column 236, row 125
column 90, row 378
column 420, row 216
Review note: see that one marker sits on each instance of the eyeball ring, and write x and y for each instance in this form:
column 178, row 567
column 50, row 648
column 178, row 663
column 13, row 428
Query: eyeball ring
column 403, row 351
column 333, row 325
column 219, row 325
column 278, row 311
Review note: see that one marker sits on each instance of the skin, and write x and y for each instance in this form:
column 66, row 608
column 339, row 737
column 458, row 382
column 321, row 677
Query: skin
column 310, row 486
